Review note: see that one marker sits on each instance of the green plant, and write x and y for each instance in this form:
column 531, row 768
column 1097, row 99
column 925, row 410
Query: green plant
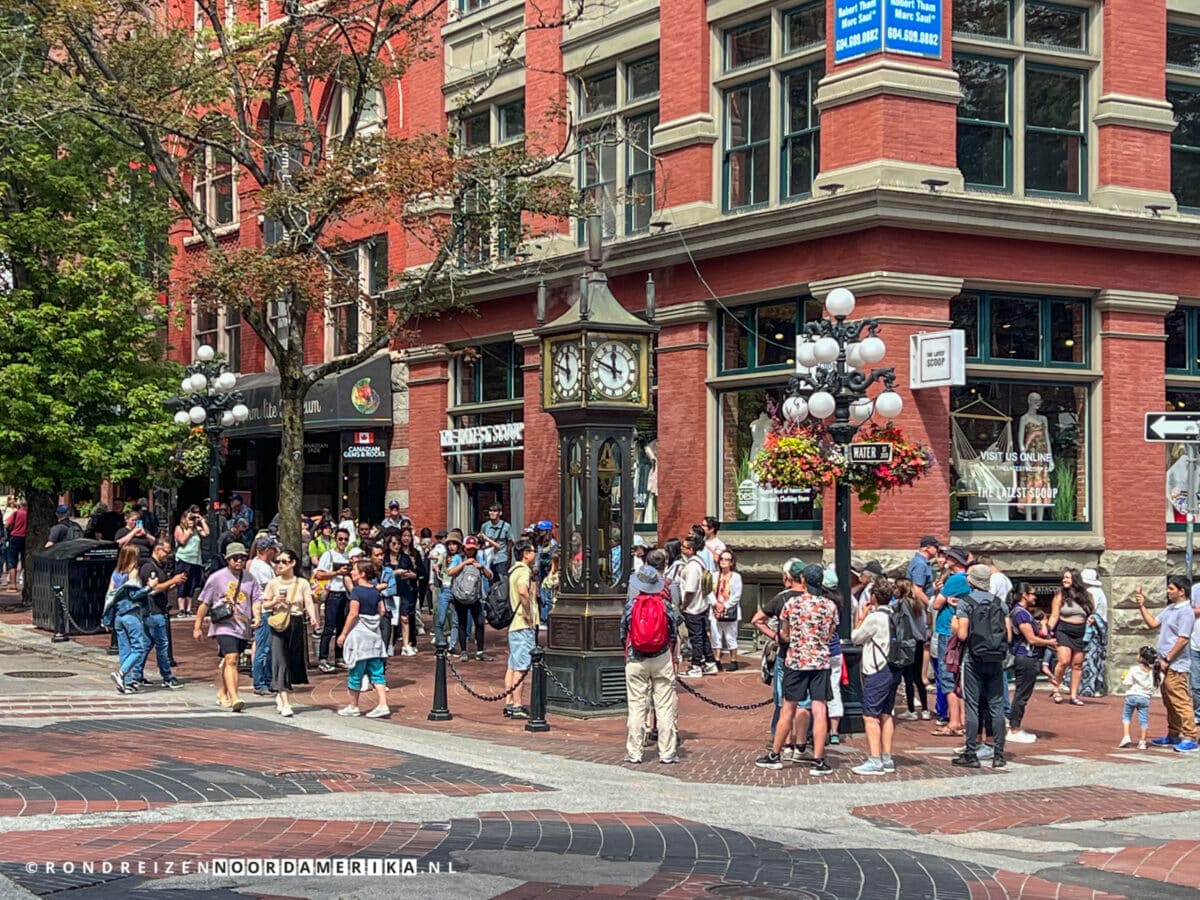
column 1064, row 494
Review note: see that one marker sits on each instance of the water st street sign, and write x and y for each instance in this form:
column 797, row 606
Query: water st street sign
column 870, row 453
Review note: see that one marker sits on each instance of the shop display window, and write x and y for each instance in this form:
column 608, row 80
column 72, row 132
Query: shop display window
column 1177, row 493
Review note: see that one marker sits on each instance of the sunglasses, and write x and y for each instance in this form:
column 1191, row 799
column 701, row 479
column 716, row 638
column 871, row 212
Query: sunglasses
column 343, row 540
column 239, row 558
column 285, row 562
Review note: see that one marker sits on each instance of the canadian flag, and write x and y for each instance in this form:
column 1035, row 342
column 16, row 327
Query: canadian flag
column 364, row 437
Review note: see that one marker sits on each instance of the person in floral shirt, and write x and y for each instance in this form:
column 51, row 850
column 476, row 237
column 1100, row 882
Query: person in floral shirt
column 807, row 625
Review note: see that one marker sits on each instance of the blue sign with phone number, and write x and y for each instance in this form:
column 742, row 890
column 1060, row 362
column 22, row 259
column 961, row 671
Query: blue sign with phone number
column 862, row 27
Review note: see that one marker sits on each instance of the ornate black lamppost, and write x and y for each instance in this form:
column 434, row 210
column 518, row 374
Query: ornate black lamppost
column 834, row 357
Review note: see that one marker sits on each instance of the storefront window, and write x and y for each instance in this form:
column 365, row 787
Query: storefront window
column 747, row 416
column 1018, row 452
column 764, row 336
column 1178, row 494
column 1023, row 330
column 485, row 442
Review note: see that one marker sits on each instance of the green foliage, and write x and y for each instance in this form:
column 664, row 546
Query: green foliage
column 1064, row 496
column 81, row 356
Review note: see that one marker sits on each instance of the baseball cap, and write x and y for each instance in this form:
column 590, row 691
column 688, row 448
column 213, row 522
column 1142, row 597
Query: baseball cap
column 930, row 540
column 355, row 553
column 237, row 497
column 956, row 585
column 471, row 543
column 958, row 554
column 266, row 543
column 440, row 534
column 62, row 509
column 395, row 504
column 814, row 579
column 545, row 525
column 639, row 541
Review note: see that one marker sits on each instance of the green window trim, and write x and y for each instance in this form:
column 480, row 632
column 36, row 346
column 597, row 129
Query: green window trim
column 1080, row 133
column 983, row 319
column 751, row 328
column 1005, row 125
column 1184, row 149
column 1191, row 344
column 1190, row 32
column 790, row 14
column 751, row 146
column 513, row 375
column 810, row 134
column 731, row 34
column 1006, row 38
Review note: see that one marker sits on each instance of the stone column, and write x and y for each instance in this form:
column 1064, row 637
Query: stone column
column 1132, row 509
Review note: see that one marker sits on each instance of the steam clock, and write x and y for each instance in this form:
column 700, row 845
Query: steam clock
column 595, row 382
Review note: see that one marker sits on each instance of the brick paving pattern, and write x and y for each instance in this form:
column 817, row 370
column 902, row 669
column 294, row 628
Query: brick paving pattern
column 106, row 765
column 691, row 858
column 991, row 812
column 1175, row 862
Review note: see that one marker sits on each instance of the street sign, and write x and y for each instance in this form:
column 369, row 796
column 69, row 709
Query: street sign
column 870, row 453
column 1173, row 427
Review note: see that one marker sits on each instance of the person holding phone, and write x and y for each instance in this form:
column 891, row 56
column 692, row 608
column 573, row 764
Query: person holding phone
column 135, row 534
column 1174, row 623
column 334, row 567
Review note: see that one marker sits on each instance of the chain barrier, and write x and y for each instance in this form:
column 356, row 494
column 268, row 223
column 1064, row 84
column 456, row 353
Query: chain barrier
column 75, row 627
column 571, row 696
column 718, row 704
column 478, row 696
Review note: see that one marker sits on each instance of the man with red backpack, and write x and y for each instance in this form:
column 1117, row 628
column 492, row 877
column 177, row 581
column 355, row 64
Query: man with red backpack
column 648, row 631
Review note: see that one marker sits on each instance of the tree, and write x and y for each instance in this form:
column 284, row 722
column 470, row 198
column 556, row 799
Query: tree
column 294, row 106
column 82, row 372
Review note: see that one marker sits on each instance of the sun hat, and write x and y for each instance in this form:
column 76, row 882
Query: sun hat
column 958, row 554
column 235, row 549
column 979, row 576
column 646, row 580
column 454, row 535
column 1090, row 578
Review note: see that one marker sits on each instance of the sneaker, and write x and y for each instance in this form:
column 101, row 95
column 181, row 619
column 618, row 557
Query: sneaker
column 998, row 761
column 264, row 692
column 1141, row 745
column 652, row 736
column 119, row 681
column 325, row 668
column 801, row 750
column 710, row 668
column 835, row 739
column 238, row 705
column 412, row 651
column 925, row 715
column 520, row 712
column 1020, row 736
column 391, row 651
column 941, row 722
column 1187, row 747
column 132, row 687
column 1166, row 741
column 871, row 767
column 788, row 753
column 984, row 751
column 173, row 684
column 967, row 760
column 693, row 672
column 1125, row 742
column 483, row 657
column 889, row 764
column 508, row 710
column 350, row 712
column 379, row 712
column 820, row 767
column 769, row 760
column 632, row 760
column 463, row 657
column 668, row 760
column 907, row 716
column 287, row 712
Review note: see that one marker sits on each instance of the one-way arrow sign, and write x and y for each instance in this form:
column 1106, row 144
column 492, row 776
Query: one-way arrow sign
column 1176, row 427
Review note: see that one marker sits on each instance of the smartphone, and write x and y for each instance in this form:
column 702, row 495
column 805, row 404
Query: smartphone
column 139, row 523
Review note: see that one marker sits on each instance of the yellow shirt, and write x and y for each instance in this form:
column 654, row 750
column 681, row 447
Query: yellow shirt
column 520, row 577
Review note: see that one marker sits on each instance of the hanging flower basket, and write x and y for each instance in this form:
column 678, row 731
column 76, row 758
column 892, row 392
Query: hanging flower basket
column 191, row 458
column 805, row 457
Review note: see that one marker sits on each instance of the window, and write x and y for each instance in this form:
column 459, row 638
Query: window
column 490, row 215
column 1017, row 329
column 746, row 418
column 511, row 120
column 1024, row 69
column 619, row 110
column 771, row 133
column 205, row 332
column 359, row 273
column 491, row 375
column 1183, row 47
column 495, row 124
column 1178, row 494
column 645, row 467
column 763, row 336
column 371, row 120
column 1018, row 452
column 1185, row 145
column 502, row 451
column 233, row 339
column 470, row 6
column 476, row 130
column 213, row 189
column 1183, row 340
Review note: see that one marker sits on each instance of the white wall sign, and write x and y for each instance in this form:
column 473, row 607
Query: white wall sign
column 937, row 359
column 482, row 436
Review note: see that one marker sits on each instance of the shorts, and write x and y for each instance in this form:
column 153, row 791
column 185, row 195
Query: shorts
column 806, row 684
column 945, row 678
column 227, row 643
column 879, row 692
column 520, row 646
column 371, row 668
column 726, row 635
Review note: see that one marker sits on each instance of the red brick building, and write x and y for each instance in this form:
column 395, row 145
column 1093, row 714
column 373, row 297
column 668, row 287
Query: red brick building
column 1027, row 183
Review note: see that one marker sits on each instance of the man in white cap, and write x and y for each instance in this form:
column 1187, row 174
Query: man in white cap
column 981, row 622
column 648, row 630
column 229, row 595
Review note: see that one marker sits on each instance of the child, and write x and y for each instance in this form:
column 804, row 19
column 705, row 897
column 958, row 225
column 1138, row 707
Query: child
column 1142, row 681
column 362, row 642
column 1042, row 630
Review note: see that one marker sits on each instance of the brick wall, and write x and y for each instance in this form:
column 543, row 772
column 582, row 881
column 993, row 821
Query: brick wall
column 541, row 447
column 426, row 478
column 684, row 457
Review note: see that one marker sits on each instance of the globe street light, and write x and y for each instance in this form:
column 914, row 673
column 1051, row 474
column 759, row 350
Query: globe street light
column 210, row 400
column 828, row 382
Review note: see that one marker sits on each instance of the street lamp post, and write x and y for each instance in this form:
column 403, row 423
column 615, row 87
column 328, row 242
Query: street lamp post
column 834, row 357
column 210, row 399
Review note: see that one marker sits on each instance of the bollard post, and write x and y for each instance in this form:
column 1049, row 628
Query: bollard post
column 537, row 691
column 170, row 643
column 60, row 616
column 440, row 711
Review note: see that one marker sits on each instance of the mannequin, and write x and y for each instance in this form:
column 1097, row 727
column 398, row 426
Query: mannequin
column 767, row 502
column 1034, row 492
column 650, row 510
column 1178, row 492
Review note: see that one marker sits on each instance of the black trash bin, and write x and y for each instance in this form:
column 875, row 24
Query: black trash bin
column 82, row 568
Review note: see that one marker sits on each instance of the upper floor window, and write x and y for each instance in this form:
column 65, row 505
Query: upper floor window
column 1183, row 47
column 772, row 125
column 371, row 120
column 361, row 273
column 470, row 6
column 489, row 216
column 213, row 188
column 206, row 330
column 232, row 345
column 220, row 329
column 493, row 125
column 1183, row 91
column 1022, row 330
column 1024, row 69
column 491, row 375
column 618, row 109
column 1183, row 340
column 759, row 337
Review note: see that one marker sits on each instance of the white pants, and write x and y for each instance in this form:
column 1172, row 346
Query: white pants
column 724, row 635
column 650, row 683
column 835, row 682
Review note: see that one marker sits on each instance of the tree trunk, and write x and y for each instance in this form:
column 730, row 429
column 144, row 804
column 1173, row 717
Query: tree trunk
column 292, row 390
column 41, row 517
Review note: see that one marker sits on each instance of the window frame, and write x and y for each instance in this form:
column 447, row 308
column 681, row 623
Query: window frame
column 1193, row 30
column 198, row 335
column 1082, row 133
column 1008, row 38
column 1045, row 360
column 366, row 306
column 1010, row 104
column 514, row 373
column 204, row 189
column 728, row 35
column 815, row 72
column 785, row 19
column 1191, row 347
column 341, row 102
column 752, row 334
column 1189, row 88
column 751, row 145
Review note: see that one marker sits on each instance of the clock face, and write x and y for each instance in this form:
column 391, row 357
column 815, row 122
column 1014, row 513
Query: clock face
column 566, row 364
column 614, row 370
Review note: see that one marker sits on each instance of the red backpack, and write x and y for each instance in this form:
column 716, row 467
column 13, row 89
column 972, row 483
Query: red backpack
column 648, row 631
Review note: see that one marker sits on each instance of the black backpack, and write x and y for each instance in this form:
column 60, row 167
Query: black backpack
column 497, row 609
column 902, row 649
column 987, row 635
column 74, row 532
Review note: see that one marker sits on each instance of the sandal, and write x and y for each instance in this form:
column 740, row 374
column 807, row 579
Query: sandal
column 947, row 731
column 1075, row 701
column 1056, row 697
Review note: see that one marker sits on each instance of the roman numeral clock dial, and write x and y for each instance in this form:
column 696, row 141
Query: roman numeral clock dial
column 613, row 370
